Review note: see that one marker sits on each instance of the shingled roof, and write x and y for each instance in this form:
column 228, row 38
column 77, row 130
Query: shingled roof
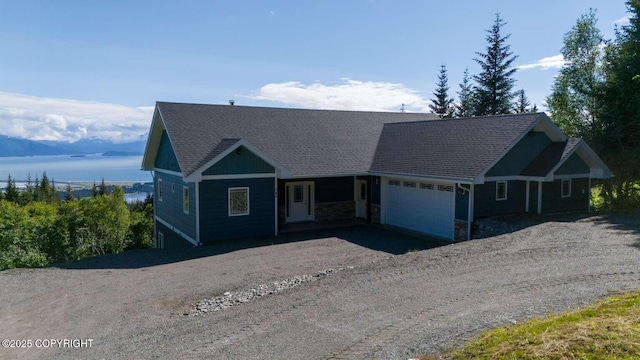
column 449, row 149
column 305, row 142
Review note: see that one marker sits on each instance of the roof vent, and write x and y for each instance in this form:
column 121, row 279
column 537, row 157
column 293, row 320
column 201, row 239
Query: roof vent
column 231, row 102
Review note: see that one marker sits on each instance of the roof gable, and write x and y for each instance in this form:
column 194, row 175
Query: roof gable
column 462, row 149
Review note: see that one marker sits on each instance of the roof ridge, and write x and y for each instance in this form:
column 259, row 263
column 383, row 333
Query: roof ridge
column 292, row 108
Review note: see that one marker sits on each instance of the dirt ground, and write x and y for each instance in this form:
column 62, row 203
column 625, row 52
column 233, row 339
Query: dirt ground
column 394, row 303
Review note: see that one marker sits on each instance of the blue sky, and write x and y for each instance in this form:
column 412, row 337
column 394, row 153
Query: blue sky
column 82, row 69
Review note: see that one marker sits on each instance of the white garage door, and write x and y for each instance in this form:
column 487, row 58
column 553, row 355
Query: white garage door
column 420, row 206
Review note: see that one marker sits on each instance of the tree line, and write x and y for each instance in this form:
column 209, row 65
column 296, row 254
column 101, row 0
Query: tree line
column 596, row 95
column 38, row 227
column 492, row 90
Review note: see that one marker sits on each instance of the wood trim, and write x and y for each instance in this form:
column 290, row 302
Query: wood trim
column 239, row 176
column 168, row 172
column 173, row 228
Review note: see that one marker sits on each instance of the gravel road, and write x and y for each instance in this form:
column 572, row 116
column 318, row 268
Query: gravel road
column 385, row 302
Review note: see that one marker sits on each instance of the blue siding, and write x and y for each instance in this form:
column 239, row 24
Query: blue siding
column 166, row 157
column 170, row 208
column 485, row 203
column 573, row 165
column 462, row 205
column 171, row 239
column 553, row 202
column 215, row 222
column 240, row 162
column 520, row 155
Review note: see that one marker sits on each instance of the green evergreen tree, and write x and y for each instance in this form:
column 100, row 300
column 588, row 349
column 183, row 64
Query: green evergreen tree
column 27, row 194
column 68, row 193
column 94, row 190
column 619, row 113
column 11, row 192
column 465, row 95
column 103, row 188
column 443, row 105
column 43, row 189
column 522, row 103
column 493, row 93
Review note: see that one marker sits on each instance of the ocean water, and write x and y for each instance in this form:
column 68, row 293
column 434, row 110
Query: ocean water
column 64, row 168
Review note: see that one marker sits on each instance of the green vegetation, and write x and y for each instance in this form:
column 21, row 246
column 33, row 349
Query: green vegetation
column 596, row 97
column 38, row 228
column 610, row 329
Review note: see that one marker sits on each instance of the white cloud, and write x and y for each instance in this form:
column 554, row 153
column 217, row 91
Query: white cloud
column 346, row 95
column 551, row 62
column 39, row 118
column 622, row 21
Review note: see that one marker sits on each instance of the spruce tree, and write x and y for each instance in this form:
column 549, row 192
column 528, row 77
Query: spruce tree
column 495, row 83
column 522, row 103
column 442, row 104
column 68, row 196
column 11, row 192
column 465, row 95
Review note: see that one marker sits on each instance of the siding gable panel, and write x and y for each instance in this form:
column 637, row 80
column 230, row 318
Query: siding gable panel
column 240, row 161
column 573, row 165
column 166, row 157
column 521, row 155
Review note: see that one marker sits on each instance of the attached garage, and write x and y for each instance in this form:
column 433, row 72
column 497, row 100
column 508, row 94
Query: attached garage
column 426, row 207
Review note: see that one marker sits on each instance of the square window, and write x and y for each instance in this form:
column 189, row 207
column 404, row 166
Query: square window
column 298, row 193
column 566, row 188
column 159, row 189
column 185, row 200
column 238, row 201
column 501, row 190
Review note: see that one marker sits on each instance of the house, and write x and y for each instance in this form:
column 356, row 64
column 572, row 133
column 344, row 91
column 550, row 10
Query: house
column 224, row 172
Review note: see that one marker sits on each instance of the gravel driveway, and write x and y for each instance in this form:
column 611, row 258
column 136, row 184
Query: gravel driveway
column 385, row 302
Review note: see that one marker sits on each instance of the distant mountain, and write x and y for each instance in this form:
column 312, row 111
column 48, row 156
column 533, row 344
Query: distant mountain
column 22, row 147
column 94, row 146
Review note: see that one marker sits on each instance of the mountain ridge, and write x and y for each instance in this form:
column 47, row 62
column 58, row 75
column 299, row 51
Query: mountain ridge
column 11, row 146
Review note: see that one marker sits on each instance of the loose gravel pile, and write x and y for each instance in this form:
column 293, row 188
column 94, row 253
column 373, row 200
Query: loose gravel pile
column 229, row 299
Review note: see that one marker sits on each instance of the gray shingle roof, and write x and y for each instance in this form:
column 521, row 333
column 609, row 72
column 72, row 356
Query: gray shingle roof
column 306, row 142
column 453, row 149
column 553, row 154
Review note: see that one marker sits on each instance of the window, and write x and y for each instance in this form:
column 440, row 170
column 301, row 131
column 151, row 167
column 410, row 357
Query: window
column 185, row 200
column 298, row 193
column 448, row 188
column 238, row 201
column 363, row 191
column 426, row 186
column 409, row 184
column 501, row 190
column 160, row 244
column 159, row 189
column 394, row 182
column 566, row 188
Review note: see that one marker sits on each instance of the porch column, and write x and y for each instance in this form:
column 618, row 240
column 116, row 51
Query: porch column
column 539, row 197
column 526, row 204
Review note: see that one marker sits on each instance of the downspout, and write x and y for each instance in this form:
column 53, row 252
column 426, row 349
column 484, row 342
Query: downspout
column 589, row 190
column 155, row 229
column 469, row 207
column 275, row 186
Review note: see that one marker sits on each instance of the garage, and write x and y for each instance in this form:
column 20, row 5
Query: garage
column 425, row 207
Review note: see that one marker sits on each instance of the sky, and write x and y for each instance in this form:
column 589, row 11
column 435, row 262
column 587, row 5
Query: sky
column 81, row 69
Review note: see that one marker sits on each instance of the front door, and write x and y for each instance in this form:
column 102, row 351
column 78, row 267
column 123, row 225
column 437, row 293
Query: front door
column 361, row 199
column 300, row 204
